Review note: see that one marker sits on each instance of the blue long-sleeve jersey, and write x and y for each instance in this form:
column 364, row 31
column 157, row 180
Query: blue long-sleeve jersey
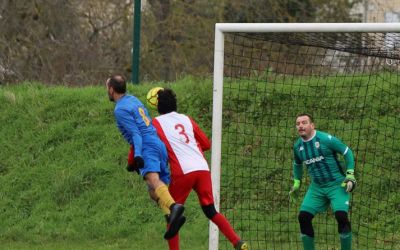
column 134, row 122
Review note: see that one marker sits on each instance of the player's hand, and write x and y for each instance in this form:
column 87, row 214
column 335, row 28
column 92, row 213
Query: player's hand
column 139, row 162
column 135, row 165
column 350, row 181
column 294, row 191
column 132, row 168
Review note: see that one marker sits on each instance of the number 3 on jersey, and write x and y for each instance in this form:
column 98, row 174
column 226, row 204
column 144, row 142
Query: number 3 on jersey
column 181, row 130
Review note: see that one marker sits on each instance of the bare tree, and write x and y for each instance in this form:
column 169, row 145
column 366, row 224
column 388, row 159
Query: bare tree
column 75, row 42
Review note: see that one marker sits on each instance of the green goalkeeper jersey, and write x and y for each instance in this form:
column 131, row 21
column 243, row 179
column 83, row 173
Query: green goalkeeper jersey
column 319, row 154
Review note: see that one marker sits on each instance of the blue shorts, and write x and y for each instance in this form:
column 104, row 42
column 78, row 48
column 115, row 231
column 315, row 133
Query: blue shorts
column 155, row 158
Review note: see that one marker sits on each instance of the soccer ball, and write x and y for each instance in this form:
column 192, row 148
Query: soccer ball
column 152, row 96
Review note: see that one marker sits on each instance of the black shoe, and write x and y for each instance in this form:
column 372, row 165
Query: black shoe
column 241, row 245
column 173, row 229
column 176, row 212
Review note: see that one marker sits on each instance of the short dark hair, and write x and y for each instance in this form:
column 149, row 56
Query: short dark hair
column 118, row 83
column 306, row 114
column 166, row 101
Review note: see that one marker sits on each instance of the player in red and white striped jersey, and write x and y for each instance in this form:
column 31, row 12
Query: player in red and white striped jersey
column 185, row 143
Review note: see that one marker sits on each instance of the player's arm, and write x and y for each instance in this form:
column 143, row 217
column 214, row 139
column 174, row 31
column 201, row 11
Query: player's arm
column 131, row 155
column 127, row 125
column 338, row 146
column 297, row 166
column 297, row 176
column 156, row 124
column 200, row 136
column 131, row 166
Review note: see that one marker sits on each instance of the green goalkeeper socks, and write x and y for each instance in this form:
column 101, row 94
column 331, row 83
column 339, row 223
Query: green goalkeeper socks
column 345, row 241
column 308, row 242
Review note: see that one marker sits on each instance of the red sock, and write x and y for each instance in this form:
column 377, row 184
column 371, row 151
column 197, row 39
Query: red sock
column 226, row 228
column 174, row 242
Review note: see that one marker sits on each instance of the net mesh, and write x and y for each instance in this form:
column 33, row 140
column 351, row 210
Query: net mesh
column 350, row 83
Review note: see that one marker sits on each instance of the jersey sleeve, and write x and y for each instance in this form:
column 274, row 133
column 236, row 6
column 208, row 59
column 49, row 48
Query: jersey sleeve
column 338, row 146
column 131, row 154
column 159, row 130
column 297, row 165
column 200, row 136
column 127, row 125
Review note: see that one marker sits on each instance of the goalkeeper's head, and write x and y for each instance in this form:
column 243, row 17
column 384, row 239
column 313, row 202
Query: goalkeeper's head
column 166, row 101
column 305, row 126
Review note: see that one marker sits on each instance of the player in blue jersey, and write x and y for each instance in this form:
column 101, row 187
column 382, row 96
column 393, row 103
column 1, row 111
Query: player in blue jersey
column 329, row 184
column 150, row 155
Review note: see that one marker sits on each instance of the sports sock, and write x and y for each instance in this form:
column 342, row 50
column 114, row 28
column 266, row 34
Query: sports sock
column 225, row 228
column 345, row 241
column 164, row 197
column 174, row 243
column 308, row 242
column 164, row 208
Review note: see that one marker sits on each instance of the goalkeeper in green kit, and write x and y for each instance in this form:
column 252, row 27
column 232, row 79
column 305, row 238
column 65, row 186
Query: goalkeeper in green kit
column 330, row 185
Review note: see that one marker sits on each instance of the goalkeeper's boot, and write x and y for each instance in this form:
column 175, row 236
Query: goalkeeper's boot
column 173, row 229
column 241, row 245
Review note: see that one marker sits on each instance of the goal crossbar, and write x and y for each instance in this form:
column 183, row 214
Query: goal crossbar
column 218, row 75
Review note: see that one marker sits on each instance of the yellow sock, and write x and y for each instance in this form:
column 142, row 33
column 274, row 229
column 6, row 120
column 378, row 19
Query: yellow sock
column 165, row 199
column 165, row 209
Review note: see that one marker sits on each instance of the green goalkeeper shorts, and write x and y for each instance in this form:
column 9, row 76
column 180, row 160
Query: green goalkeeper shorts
column 317, row 199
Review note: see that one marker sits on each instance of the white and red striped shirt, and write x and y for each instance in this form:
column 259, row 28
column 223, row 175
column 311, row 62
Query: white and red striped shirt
column 185, row 142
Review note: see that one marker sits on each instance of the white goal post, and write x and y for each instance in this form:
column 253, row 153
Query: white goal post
column 220, row 29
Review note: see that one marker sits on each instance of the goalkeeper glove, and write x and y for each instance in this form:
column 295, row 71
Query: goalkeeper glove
column 294, row 191
column 350, row 181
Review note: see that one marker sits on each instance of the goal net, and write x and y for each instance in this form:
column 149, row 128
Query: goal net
column 348, row 77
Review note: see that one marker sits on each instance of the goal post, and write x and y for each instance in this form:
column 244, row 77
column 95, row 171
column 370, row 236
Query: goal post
column 348, row 77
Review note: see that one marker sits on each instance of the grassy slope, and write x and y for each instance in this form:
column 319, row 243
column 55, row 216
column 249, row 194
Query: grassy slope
column 62, row 178
column 62, row 175
column 259, row 165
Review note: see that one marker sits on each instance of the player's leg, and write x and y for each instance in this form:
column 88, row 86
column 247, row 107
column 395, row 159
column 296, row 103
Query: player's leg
column 172, row 235
column 314, row 202
column 340, row 201
column 172, row 210
column 159, row 191
column 156, row 161
column 307, row 230
column 344, row 229
column 173, row 243
column 203, row 188
column 176, row 219
column 179, row 189
column 156, row 175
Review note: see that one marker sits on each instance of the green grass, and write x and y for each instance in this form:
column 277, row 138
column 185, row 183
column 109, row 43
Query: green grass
column 63, row 183
column 258, row 136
